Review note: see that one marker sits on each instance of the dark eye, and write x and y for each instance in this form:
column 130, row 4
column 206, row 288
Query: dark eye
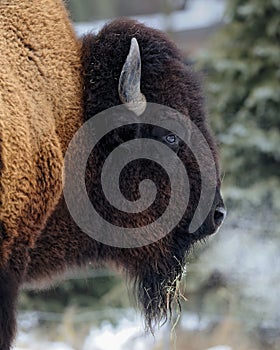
column 171, row 139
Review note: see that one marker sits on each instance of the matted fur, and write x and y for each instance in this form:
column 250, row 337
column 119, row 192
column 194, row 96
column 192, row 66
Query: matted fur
column 40, row 109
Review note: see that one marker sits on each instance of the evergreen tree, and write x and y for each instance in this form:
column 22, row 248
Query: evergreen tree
column 244, row 96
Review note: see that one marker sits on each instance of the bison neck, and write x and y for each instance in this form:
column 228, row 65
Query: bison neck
column 60, row 247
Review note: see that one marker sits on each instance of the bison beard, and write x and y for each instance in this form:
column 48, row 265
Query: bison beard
column 157, row 288
column 157, row 283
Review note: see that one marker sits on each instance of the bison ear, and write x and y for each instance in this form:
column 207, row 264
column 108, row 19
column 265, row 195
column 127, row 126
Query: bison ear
column 130, row 80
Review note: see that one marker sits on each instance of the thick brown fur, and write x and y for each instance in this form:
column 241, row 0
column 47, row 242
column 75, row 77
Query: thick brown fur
column 40, row 111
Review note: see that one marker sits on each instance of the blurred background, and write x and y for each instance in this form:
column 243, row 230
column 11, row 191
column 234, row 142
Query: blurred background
column 232, row 284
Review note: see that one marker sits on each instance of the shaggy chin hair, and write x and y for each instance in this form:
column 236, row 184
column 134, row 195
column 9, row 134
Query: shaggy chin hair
column 156, row 293
column 157, row 282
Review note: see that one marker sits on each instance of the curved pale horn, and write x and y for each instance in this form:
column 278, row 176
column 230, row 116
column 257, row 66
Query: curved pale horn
column 129, row 82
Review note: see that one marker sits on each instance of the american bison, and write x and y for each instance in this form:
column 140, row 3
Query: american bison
column 51, row 83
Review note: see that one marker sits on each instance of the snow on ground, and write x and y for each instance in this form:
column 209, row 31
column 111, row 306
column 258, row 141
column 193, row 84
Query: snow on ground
column 128, row 334
column 198, row 14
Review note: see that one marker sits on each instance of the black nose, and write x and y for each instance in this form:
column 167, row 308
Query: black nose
column 219, row 215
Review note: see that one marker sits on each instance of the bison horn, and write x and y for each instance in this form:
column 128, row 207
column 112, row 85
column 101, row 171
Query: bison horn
column 129, row 82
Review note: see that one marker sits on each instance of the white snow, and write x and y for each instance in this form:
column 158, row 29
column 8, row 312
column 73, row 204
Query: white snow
column 127, row 335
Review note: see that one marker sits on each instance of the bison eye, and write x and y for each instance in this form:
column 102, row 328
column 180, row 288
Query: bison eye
column 171, row 139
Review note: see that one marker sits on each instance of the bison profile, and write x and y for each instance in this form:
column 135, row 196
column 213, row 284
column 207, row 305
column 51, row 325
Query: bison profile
column 51, row 84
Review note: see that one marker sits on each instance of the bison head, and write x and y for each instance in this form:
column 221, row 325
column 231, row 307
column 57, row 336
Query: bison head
column 162, row 102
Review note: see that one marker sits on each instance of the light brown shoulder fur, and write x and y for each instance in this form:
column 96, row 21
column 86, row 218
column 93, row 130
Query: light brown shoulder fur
column 40, row 109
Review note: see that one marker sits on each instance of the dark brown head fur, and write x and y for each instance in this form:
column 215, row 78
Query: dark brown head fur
column 166, row 80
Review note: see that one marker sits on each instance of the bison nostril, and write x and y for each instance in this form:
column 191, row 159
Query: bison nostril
column 219, row 215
